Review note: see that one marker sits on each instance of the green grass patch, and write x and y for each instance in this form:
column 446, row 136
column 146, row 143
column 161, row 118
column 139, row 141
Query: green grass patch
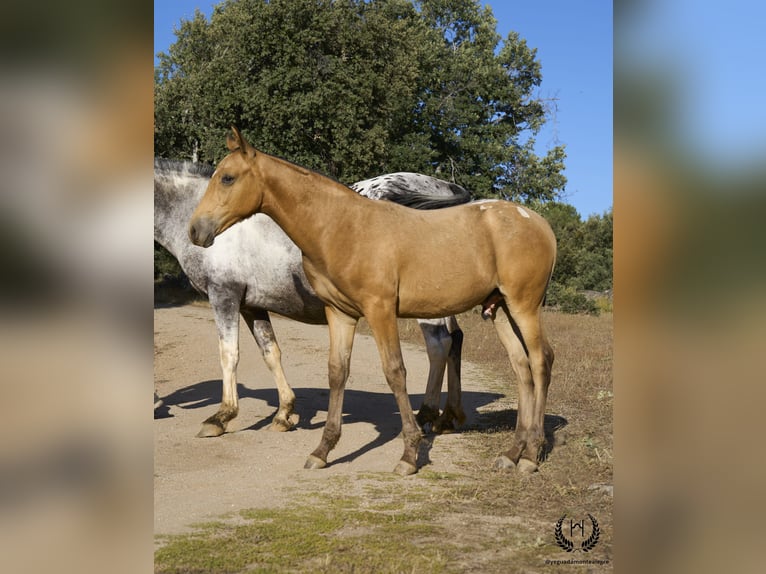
column 306, row 538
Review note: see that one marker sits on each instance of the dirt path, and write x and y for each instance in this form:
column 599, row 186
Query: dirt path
column 196, row 480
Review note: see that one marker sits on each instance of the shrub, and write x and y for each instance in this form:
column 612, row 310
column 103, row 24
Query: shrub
column 568, row 300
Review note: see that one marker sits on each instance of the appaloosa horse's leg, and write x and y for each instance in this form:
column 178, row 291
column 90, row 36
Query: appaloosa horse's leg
column 259, row 323
column 532, row 358
column 342, row 328
column 444, row 343
column 453, row 414
column 438, row 345
column 226, row 312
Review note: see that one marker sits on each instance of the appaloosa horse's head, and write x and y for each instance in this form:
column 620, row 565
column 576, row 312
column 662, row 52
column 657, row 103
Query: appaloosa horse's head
column 232, row 195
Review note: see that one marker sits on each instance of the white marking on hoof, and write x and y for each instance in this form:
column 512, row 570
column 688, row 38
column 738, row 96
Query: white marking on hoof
column 405, row 468
column 522, row 212
column 527, row 466
column 502, row 462
column 313, row 462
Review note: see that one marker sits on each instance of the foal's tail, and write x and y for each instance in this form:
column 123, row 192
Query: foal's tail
column 426, row 201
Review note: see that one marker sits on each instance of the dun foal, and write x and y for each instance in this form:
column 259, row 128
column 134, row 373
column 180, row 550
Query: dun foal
column 380, row 260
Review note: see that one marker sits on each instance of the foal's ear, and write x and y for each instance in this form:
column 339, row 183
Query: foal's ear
column 235, row 141
column 232, row 139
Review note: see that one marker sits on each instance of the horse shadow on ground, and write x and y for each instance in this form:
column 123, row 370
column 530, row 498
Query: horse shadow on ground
column 505, row 420
column 376, row 408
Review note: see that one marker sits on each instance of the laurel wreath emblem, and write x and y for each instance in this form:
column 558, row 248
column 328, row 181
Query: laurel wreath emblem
column 586, row 545
column 562, row 540
column 590, row 543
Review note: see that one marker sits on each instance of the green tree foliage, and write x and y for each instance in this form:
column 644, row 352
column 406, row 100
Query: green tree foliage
column 357, row 88
column 594, row 264
column 584, row 259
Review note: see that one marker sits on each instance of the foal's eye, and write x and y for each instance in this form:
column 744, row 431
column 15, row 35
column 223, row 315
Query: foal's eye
column 227, row 179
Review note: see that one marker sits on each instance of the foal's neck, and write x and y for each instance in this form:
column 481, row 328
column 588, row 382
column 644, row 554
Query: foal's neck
column 305, row 204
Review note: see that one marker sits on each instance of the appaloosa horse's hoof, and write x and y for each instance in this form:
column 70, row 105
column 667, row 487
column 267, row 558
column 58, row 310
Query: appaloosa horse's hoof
column 210, row 430
column 405, row 468
column 502, row 462
column 426, row 415
column 443, row 427
column 313, row 462
column 526, row 466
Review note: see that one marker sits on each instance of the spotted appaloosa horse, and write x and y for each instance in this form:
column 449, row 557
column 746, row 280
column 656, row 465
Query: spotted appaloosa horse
column 380, row 260
column 254, row 269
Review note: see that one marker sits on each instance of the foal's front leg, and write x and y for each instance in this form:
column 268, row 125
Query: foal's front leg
column 384, row 328
column 342, row 328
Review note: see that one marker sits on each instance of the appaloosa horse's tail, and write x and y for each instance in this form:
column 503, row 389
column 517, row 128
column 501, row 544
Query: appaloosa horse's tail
column 425, row 201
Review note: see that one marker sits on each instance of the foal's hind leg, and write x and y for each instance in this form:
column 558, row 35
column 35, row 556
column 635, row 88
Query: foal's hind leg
column 259, row 323
column 541, row 362
column 532, row 359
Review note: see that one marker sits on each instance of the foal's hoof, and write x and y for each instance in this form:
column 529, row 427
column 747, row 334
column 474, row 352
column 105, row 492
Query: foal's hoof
column 281, row 425
column 502, row 462
column 313, row 462
column 526, row 466
column 209, row 430
column 405, row 468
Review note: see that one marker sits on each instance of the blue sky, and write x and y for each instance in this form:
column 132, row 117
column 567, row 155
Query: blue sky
column 574, row 46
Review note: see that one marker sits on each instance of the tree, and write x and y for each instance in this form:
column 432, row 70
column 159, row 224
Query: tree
column 356, row 88
column 566, row 225
column 593, row 270
column 584, row 256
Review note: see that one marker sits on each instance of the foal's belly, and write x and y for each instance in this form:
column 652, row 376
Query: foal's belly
column 441, row 296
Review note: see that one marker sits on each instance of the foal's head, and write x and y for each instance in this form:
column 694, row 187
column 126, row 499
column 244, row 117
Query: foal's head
column 232, row 195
